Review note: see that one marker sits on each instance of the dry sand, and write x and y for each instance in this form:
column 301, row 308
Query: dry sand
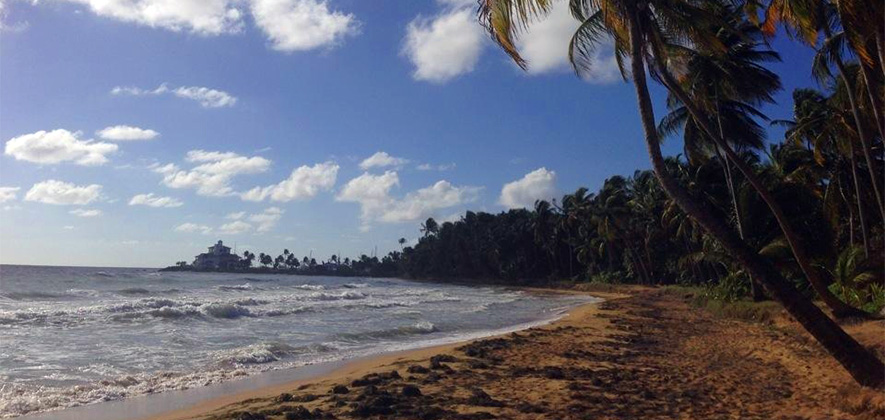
column 648, row 354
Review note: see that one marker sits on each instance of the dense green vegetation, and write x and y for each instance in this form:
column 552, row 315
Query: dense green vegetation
column 805, row 211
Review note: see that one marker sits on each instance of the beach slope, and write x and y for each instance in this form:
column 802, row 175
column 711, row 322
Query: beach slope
column 649, row 354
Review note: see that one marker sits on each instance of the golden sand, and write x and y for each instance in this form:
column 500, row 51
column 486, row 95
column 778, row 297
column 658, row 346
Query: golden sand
column 646, row 354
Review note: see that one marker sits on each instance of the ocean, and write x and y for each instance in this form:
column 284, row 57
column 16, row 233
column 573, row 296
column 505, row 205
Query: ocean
column 71, row 336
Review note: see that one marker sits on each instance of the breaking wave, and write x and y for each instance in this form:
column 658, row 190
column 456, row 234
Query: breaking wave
column 420, row 327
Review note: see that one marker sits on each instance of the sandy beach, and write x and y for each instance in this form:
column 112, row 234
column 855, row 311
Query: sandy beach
column 646, row 353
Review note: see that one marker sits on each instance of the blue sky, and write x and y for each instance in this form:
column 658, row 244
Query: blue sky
column 138, row 132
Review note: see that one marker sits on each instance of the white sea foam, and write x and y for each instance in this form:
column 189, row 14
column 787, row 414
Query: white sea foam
column 172, row 331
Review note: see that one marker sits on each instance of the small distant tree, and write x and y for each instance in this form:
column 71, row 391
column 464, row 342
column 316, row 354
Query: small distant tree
column 248, row 257
column 278, row 261
column 265, row 259
column 291, row 260
column 402, row 243
column 429, row 227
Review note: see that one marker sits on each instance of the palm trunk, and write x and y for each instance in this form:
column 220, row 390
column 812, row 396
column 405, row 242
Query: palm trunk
column 857, row 360
column 756, row 291
column 865, row 143
column 695, row 270
column 850, row 208
column 875, row 99
column 839, row 308
column 734, row 203
column 880, row 46
column 863, row 225
column 648, row 262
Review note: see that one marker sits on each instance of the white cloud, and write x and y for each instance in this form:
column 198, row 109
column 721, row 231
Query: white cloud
column 203, row 17
column 290, row 25
column 304, row 182
column 152, row 200
column 441, row 168
column 372, row 192
column 6, row 26
column 240, row 223
column 206, row 97
column 86, row 212
column 369, row 189
column 63, row 193
column 267, row 219
column 261, row 222
column 539, row 184
column 234, row 228
column 236, row 216
column 545, row 44
column 425, row 201
column 136, row 91
column 193, row 227
column 445, row 46
column 126, row 133
column 382, row 160
column 8, row 193
column 299, row 25
column 213, row 176
column 58, row 146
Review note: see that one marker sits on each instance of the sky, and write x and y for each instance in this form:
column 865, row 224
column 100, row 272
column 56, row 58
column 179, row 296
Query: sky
column 139, row 132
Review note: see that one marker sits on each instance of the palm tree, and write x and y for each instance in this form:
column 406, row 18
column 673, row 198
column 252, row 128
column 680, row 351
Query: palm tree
column 810, row 18
column 728, row 84
column 278, row 261
column 820, row 123
column 639, row 29
column 265, row 259
column 402, row 243
column 429, row 227
column 661, row 59
column 849, row 273
column 291, row 260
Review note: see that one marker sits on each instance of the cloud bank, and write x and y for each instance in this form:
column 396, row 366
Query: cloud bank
column 305, row 182
column 213, row 175
column 63, row 193
column 206, row 97
column 57, row 146
column 126, row 133
column 373, row 194
column 539, row 184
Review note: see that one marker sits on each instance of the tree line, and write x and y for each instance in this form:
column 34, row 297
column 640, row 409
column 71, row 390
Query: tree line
column 810, row 211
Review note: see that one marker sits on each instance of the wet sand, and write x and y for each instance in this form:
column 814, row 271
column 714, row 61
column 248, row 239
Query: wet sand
column 648, row 354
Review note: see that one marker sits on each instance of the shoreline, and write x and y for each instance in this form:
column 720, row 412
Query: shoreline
column 348, row 369
column 642, row 353
column 184, row 403
column 351, row 368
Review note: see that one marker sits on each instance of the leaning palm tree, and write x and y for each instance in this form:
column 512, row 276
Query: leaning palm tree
column 640, row 29
column 665, row 56
column 729, row 85
column 820, row 122
column 810, row 19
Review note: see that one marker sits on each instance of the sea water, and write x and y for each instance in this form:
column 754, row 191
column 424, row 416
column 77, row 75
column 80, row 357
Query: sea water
column 71, row 336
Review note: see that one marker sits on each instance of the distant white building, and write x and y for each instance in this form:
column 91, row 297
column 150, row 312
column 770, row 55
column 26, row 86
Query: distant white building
column 218, row 257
